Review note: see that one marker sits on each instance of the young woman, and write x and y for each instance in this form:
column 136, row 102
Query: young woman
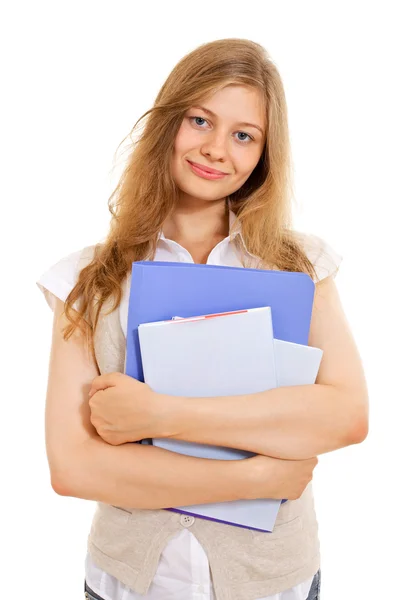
column 208, row 181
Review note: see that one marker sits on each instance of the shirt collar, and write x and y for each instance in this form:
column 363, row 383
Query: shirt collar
column 238, row 232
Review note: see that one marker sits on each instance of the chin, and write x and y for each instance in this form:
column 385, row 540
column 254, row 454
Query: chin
column 198, row 194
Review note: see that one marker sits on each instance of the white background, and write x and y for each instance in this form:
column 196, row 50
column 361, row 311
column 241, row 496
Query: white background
column 75, row 78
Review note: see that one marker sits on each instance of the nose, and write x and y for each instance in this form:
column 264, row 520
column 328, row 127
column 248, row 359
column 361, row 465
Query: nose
column 214, row 147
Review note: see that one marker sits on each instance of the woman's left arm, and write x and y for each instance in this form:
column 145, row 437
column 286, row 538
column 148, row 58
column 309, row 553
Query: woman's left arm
column 288, row 422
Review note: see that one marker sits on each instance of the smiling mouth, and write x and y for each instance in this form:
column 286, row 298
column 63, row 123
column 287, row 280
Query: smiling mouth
column 207, row 169
column 202, row 172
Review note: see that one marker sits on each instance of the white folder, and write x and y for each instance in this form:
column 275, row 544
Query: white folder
column 221, row 355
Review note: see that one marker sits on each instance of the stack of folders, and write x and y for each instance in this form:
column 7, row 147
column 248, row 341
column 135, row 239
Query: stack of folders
column 207, row 354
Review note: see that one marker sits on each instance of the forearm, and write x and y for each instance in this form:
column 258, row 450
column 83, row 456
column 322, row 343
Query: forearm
column 289, row 422
column 140, row 476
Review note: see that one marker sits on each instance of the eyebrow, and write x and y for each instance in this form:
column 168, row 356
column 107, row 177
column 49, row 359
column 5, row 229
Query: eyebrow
column 209, row 112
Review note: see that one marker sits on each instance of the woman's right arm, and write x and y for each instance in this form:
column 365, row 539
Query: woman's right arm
column 132, row 475
column 83, row 465
column 140, row 476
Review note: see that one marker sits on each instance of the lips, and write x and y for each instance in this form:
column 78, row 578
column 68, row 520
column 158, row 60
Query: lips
column 207, row 169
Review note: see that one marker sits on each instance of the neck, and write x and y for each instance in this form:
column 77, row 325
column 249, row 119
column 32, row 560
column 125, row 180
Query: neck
column 198, row 225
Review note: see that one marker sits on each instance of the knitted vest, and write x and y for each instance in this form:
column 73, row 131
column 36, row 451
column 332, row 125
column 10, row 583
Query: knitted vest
column 245, row 564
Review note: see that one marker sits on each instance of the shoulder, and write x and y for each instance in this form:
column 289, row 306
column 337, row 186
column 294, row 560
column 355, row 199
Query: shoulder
column 59, row 279
column 325, row 259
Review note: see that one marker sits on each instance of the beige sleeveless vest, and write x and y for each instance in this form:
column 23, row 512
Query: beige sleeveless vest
column 245, row 564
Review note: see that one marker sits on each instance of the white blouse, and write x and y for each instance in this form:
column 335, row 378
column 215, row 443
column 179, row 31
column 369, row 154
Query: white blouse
column 183, row 572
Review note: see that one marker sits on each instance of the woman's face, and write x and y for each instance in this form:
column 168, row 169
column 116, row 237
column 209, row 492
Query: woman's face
column 226, row 139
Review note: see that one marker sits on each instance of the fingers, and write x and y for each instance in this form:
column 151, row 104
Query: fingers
column 101, row 382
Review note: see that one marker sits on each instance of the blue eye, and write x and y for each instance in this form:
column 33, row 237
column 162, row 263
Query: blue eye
column 240, row 132
column 201, row 119
column 249, row 136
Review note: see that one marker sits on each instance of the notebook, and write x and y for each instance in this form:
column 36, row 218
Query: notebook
column 234, row 353
column 214, row 355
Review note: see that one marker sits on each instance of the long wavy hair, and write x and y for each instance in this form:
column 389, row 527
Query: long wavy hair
column 141, row 201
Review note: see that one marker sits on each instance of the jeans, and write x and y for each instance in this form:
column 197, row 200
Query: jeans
column 314, row 594
column 315, row 590
column 90, row 594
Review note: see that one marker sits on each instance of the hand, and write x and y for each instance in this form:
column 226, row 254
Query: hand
column 124, row 409
column 278, row 478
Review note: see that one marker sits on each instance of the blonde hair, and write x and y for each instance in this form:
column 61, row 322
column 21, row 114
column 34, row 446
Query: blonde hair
column 141, row 202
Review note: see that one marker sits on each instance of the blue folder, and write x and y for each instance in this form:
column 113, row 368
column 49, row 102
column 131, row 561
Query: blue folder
column 161, row 290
